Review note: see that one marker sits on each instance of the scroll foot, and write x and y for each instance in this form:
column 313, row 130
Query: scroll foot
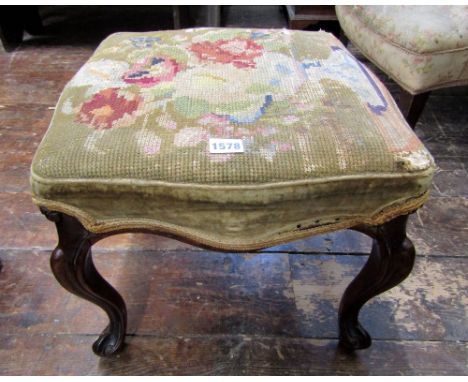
column 390, row 262
column 73, row 267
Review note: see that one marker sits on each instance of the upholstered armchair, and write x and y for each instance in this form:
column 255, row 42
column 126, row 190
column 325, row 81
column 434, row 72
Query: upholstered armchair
column 422, row 48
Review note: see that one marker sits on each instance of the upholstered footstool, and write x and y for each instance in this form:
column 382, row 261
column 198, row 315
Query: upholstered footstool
column 421, row 47
column 230, row 139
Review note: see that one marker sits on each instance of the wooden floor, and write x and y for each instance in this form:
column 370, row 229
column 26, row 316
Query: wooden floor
column 198, row 312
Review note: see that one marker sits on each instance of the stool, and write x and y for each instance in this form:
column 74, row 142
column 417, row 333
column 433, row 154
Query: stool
column 233, row 140
column 422, row 48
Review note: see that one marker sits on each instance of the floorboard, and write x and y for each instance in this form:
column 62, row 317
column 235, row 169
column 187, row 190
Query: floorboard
column 227, row 355
column 197, row 312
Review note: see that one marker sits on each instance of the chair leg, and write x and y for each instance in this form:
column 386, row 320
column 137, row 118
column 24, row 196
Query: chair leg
column 343, row 38
column 32, row 20
column 390, row 262
column 73, row 267
column 412, row 106
column 11, row 28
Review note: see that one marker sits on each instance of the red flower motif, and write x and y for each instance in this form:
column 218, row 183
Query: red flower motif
column 107, row 107
column 152, row 71
column 238, row 51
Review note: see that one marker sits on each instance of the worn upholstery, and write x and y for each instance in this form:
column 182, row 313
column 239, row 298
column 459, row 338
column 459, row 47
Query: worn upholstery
column 420, row 47
column 325, row 145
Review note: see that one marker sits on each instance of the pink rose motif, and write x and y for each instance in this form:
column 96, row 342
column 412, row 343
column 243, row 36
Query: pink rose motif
column 282, row 146
column 290, row 119
column 148, row 142
column 169, row 125
column 242, row 132
column 217, row 125
column 267, row 131
column 238, row 51
column 152, row 148
column 213, row 119
column 152, row 71
column 222, row 131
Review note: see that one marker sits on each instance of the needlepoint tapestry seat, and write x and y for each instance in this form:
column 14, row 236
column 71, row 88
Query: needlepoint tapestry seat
column 128, row 144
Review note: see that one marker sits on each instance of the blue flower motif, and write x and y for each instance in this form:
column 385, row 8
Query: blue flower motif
column 144, row 41
column 283, row 69
column 311, row 64
column 257, row 35
column 257, row 115
column 275, row 82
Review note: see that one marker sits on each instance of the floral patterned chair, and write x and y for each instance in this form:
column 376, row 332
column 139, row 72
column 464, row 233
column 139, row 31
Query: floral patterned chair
column 422, row 48
column 318, row 145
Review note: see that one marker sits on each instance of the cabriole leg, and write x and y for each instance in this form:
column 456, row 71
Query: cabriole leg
column 390, row 262
column 73, row 267
column 412, row 106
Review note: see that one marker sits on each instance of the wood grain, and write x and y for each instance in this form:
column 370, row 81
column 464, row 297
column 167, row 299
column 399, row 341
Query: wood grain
column 198, row 312
column 186, row 292
column 227, row 355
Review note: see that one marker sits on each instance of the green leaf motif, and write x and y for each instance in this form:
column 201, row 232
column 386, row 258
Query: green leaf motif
column 190, row 107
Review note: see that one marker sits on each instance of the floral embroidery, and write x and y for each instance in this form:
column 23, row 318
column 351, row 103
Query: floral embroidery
column 290, row 119
column 258, row 35
column 180, row 89
column 152, row 71
column 144, row 41
column 267, row 131
column 190, row 137
column 238, row 51
column 212, row 120
column 194, row 96
column 107, row 108
column 343, row 67
column 282, row 146
column 100, row 74
column 67, row 107
column 148, row 142
column 168, row 124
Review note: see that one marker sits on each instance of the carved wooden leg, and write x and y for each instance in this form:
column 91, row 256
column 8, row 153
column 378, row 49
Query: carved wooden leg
column 412, row 106
column 390, row 262
column 32, row 20
column 73, row 267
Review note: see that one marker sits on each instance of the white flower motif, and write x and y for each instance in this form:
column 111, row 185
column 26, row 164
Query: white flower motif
column 148, row 142
column 190, row 137
column 100, row 75
column 67, row 107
